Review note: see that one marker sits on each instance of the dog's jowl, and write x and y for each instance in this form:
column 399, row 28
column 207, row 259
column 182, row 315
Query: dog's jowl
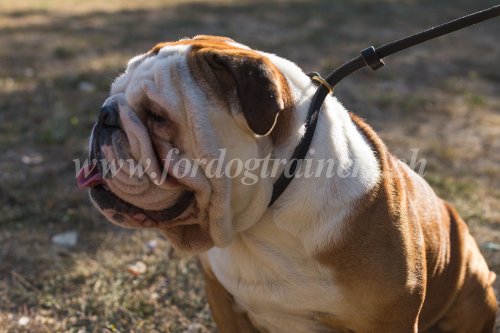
column 191, row 142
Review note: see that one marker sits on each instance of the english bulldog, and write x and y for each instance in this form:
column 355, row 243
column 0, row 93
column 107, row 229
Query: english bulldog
column 373, row 252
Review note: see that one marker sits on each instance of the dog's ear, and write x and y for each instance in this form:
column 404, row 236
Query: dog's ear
column 260, row 87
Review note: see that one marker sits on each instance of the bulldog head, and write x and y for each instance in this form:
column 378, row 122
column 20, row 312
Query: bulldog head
column 191, row 100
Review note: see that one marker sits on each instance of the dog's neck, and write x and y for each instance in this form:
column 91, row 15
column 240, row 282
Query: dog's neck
column 303, row 207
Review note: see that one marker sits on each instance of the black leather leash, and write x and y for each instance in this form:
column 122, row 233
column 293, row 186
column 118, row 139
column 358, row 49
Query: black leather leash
column 371, row 57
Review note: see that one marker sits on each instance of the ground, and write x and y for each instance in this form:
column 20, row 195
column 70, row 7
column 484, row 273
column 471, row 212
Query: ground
column 57, row 61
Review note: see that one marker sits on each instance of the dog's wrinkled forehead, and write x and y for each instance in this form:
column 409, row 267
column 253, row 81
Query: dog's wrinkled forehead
column 144, row 63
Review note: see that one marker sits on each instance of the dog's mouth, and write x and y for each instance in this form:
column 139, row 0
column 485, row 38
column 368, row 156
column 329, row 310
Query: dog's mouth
column 123, row 212
column 106, row 200
column 89, row 176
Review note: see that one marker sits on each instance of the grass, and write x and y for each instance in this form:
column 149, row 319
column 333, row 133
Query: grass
column 57, row 61
column 94, row 292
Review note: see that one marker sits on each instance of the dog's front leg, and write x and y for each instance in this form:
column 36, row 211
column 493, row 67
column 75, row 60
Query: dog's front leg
column 222, row 305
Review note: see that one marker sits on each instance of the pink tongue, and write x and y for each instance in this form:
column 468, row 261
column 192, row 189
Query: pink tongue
column 89, row 176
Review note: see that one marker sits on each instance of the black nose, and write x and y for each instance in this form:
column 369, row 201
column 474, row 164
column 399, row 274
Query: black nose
column 109, row 115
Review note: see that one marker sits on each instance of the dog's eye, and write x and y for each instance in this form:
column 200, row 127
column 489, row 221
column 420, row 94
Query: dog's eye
column 155, row 117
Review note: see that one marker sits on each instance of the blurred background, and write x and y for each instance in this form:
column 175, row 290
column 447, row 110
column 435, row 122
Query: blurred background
column 64, row 269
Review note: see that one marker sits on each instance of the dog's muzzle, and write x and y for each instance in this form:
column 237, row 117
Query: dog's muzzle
column 109, row 133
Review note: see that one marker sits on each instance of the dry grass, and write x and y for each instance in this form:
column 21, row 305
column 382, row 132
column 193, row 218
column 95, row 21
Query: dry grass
column 57, row 60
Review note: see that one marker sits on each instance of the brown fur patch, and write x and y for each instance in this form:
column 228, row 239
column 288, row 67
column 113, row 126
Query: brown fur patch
column 202, row 45
column 407, row 256
column 284, row 124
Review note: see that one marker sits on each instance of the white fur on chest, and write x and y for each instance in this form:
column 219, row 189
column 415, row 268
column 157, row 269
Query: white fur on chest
column 275, row 281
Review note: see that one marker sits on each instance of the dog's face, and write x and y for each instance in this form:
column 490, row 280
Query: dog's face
column 187, row 100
